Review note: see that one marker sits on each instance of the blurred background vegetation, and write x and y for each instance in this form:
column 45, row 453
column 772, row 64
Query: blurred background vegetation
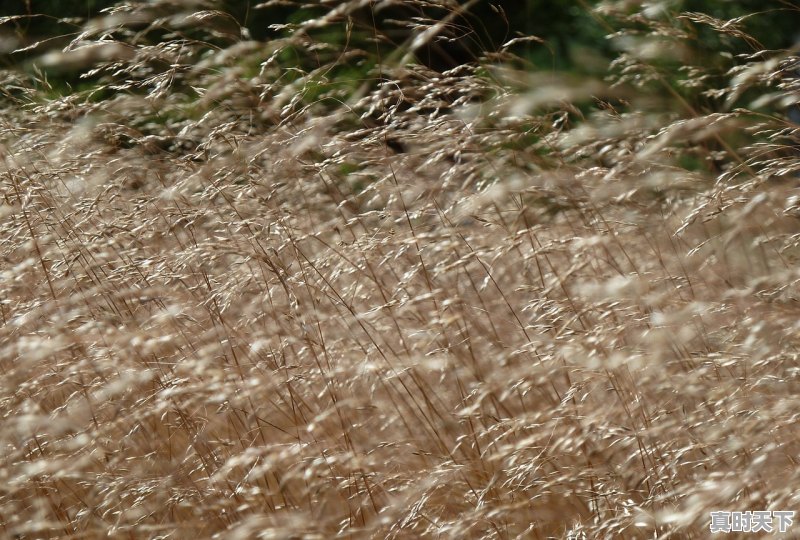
column 681, row 54
column 573, row 35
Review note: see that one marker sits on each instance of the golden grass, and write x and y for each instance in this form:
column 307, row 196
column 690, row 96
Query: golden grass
column 256, row 322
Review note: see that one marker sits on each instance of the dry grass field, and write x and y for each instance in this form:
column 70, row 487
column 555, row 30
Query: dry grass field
column 240, row 300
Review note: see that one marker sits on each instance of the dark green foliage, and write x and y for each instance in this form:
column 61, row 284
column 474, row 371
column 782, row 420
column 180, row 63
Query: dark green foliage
column 42, row 19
